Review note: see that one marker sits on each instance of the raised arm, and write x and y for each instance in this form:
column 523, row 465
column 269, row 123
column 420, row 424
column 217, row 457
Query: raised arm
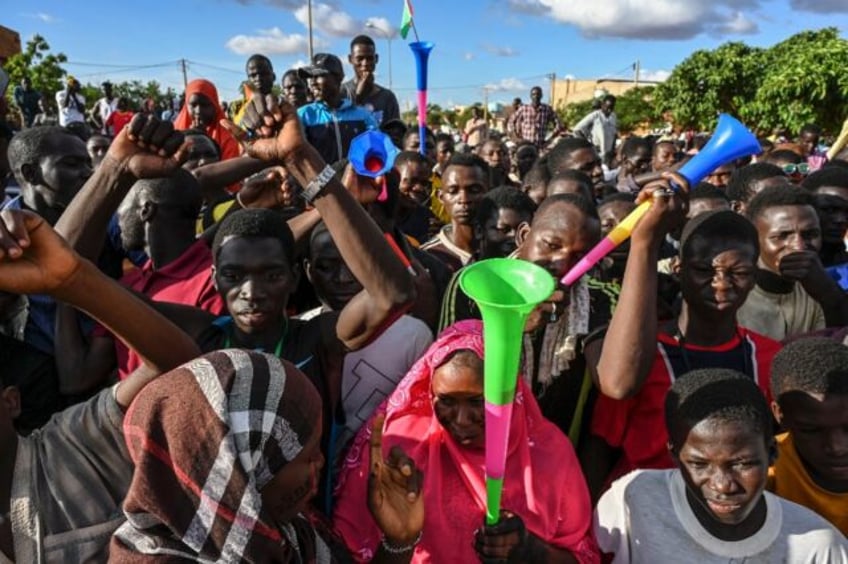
column 147, row 148
column 631, row 340
column 388, row 288
column 34, row 259
column 215, row 177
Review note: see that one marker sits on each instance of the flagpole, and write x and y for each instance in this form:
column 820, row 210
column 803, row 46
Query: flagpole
column 414, row 29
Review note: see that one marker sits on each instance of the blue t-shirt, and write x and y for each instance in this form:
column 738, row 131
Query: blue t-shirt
column 331, row 131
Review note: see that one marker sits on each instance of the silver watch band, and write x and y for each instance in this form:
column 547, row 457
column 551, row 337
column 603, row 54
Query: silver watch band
column 317, row 184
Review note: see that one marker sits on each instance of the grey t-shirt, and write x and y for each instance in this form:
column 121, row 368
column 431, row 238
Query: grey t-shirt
column 381, row 102
column 70, row 479
column 645, row 518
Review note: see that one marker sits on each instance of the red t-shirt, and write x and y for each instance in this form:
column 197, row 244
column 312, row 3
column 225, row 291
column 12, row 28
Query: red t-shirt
column 118, row 120
column 637, row 425
column 187, row 281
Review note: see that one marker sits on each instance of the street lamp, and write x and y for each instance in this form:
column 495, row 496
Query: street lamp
column 388, row 36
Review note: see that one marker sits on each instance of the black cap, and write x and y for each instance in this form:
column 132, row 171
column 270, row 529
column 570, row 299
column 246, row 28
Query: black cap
column 322, row 64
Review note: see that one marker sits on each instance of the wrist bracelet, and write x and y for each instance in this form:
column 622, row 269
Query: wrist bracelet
column 392, row 549
column 317, row 184
column 239, row 202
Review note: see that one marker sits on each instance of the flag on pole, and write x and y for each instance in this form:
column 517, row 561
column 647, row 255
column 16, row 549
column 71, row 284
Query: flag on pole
column 406, row 21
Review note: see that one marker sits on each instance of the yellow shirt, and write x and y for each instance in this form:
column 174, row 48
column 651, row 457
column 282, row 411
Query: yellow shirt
column 789, row 479
column 436, row 205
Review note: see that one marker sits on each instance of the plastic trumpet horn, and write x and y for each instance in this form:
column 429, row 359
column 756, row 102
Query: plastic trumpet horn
column 372, row 154
column 730, row 141
column 421, row 50
column 506, row 291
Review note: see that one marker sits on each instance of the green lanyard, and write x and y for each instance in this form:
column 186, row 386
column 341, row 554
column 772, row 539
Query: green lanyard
column 278, row 350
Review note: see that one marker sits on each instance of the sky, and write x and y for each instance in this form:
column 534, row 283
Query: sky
column 502, row 47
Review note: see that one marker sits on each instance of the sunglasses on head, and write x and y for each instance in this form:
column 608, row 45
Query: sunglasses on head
column 801, row 168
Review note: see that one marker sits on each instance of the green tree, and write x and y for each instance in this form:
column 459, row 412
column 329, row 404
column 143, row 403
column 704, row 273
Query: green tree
column 710, row 82
column 635, row 108
column 574, row 112
column 804, row 82
column 43, row 68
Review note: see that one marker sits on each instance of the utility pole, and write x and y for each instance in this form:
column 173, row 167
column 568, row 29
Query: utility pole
column 552, row 78
column 185, row 74
column 636, row 68
column 309, row 15
column 486, row 105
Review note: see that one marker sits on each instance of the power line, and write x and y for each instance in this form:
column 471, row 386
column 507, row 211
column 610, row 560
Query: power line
column 215, row 67
column 113, row 65
column 126, row 69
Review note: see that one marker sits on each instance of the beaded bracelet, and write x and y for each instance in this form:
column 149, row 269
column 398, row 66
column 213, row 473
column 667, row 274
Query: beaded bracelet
column 400, row 549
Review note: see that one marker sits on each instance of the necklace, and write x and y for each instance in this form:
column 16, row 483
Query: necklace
column 278, row 349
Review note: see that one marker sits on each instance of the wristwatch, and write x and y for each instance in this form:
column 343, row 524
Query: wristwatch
column 317, row 184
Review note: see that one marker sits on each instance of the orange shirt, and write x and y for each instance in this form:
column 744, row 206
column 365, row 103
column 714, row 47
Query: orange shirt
column 789, row 479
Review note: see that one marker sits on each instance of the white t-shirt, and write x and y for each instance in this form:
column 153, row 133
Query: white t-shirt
column 645, row 518
column 371, row 373
column 103, row 108
column 75, row 112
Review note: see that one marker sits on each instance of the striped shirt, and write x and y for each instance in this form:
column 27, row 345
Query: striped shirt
column 70, row 479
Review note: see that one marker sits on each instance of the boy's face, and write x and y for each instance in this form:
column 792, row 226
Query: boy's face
column 261, row 75
column 444, row 150
column 819, row 427
column 415, row 182
column 62, row 171
column 255, row 279
column 462, row 189
column 717, row 283
column 558, row 238
column 663, row 156
column 499, row 230
column 784, row 230
column 333, row 281
column 725, row 467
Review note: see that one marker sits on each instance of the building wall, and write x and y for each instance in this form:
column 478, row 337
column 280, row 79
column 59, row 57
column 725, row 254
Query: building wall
column 10, row 43
column 569, row 91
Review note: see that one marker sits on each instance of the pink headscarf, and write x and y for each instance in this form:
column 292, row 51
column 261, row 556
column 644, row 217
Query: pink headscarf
column 543, row 483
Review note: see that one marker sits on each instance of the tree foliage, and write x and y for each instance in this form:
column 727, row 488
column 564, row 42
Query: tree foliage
column 711, row 82
column 570, row 114
column 135, row 91
column 804, row 82
column 800, row 80
column 635, row 109
column 43, row 68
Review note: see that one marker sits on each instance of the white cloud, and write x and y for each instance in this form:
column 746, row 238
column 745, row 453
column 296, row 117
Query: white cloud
column 43, row 16
column 329, row 20
column 299, row 64
column 381, row 27
column 739, row 25
column 654, row 75
column 271, row 42
column 500, row 50
column 650, row 19
column 469, row 56
column 819, row 6
column 506, row 84
column 533, row 7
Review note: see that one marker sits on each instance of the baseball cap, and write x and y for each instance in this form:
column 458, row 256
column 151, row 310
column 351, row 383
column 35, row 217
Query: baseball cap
column 322, row 64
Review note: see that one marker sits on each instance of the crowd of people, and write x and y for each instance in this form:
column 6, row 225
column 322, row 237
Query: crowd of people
column 222, row 341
